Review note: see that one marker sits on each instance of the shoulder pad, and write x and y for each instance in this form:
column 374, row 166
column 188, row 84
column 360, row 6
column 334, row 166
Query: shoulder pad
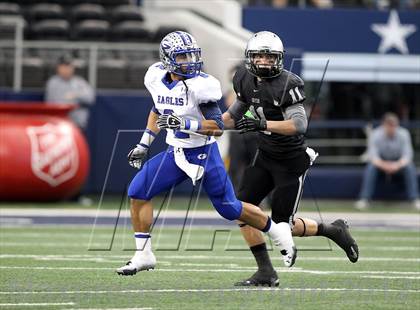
column 291, row 80
column 206, row 88
column 238, row 79
column 152, row 72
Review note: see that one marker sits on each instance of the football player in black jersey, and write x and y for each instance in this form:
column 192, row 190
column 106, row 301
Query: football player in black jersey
column 275, row 98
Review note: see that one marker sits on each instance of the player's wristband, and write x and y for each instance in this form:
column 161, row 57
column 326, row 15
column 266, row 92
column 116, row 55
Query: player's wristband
column 147, row 138
column 192, row 125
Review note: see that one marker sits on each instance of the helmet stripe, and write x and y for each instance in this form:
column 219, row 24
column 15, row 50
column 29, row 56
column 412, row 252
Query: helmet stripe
column 182, row 37
column 189, row 37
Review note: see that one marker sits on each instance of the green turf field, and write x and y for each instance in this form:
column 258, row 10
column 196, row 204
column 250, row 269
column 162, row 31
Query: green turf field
column 180, row 203
column 51, row 268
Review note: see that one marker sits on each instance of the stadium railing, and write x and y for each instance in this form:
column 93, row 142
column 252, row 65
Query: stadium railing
column 92, row 54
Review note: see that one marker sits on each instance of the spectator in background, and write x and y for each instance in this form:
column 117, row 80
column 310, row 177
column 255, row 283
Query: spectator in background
column 321, row 4
column 393, row 4
column 67, row 88
column 280, row 3
column 390, row 152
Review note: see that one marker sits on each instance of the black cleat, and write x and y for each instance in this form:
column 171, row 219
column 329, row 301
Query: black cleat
column 338, row 231
column 260, row 278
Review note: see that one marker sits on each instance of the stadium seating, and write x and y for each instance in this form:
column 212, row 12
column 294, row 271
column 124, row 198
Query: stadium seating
column 89, row 21
column 44, row 11
column 130, row 31
column 96, row 20
column 91, row 30
column 88, row 11
column 126, row 12
column 50, row 29
column 114, row 2
column 7, row 8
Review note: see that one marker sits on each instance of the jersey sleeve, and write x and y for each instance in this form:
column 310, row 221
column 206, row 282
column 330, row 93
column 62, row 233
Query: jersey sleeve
column 294, row 92
column 237, row 85
column 208, row 90
column 151, row 74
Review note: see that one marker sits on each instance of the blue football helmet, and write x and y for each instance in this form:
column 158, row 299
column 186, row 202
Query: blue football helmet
column 180, row 54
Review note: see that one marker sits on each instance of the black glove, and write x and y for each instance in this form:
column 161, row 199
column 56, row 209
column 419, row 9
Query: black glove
column 250, row 124
column 136, row 156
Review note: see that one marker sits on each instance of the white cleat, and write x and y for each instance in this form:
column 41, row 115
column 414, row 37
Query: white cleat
column 416, row 204
column 362, row 204
column 289, row 256
column 281, row 235
column 138, row 263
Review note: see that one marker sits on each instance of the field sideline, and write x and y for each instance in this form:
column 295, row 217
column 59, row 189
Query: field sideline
column 51, row 267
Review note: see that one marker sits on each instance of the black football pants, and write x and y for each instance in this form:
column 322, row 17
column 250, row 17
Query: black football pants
column 284, row 177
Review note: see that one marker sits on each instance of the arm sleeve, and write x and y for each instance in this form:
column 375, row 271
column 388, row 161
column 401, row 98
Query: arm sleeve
column 407, row 147
column 238, row 109
column 211, row 111
column 85, row 96
column 297, row 113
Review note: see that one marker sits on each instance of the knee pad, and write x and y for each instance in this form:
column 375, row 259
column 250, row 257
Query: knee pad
column 229, row 210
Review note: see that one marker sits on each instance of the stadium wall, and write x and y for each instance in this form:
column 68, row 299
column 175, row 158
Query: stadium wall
column 128, row 113
column 348, row 39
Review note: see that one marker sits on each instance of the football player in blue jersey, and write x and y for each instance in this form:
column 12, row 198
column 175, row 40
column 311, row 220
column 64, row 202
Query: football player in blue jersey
column 185, row 105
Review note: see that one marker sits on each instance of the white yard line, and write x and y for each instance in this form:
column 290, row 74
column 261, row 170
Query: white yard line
column 391, row 277
column 245, row 290
column 65, row 212
column 109, row 308
column 304, row 258
column 22, row 216
column 161, row 247
column 211, row 257
column 239, row 269
column 82, row 244
column 26, row 304
column 108, row 235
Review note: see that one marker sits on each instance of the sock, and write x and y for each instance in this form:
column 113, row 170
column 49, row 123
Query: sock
column 328, row 231
column 267, row 225
column 143, row 242
column 322, row 229
column 281, row 234
column 261, row 257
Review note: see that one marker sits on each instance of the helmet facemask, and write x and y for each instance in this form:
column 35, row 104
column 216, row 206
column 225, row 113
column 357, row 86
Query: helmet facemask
column 187, row 63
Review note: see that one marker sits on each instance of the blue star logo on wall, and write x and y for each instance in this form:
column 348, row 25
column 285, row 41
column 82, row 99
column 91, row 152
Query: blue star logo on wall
column 393, row 34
